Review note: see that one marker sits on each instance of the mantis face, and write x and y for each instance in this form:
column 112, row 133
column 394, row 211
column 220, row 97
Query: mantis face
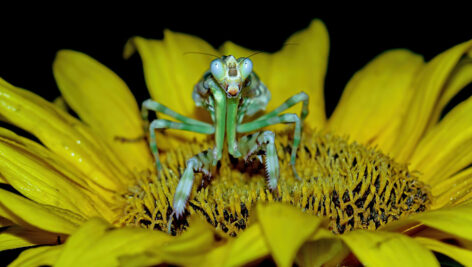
column 231, row 73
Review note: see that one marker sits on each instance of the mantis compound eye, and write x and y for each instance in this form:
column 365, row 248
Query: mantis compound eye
column 217, row 69
column 245, row 67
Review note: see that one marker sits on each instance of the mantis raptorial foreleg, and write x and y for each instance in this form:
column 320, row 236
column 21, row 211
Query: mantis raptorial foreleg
column 249, row 145
column 272, row 118
column 187, row 124
column 284, row 118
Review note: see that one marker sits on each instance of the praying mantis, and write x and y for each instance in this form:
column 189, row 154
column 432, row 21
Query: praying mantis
column 229, row 91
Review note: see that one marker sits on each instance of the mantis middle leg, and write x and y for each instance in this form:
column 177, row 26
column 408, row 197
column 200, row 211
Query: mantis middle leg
column 186, row 124
column 249, row 145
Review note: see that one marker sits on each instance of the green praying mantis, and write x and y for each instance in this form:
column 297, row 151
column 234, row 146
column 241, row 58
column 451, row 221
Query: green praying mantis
column 229, row 91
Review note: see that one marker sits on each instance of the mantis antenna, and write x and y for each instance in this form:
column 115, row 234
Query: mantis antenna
column 262, row 51
column 200, row 53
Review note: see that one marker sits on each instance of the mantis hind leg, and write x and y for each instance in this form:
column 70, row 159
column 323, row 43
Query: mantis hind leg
column 250, row 145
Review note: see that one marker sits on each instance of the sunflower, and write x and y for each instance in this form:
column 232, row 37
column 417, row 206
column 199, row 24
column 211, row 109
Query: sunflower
column 385, row 180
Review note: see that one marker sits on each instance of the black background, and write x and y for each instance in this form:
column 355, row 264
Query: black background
column 29, row 40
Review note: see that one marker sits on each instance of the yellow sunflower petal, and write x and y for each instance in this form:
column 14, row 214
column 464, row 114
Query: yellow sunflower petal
column 40, row 256
column 96, row 244
column 247, row 247
column 373, row 102
column 57, row 164
column 388, row 249
column 61, row 103
column 18, row 237
column 62, row 134
column 104, row 102
column 215, row 257
column 164, row 63
column 191, row 247
column 319, row 252
column 334, row 250
column 428, row 86
column 9, row 137
column 195, row 247
column 461, row 255
column 457, row 221
column 137, row 260
column 36, row 180
column 454, row 190
column 460, row 78
column 27, row 213
column 82, row 241
column 466, row 198
column 431, row 233
column 3, row 180
column 446, row 148
column 171, row 72
column 285, row 229
column 261, row 62
column 300, row 66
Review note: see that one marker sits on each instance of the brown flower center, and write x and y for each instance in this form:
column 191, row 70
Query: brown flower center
column 354, row 186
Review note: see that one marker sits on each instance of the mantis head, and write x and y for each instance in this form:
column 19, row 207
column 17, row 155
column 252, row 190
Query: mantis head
column 231, row 73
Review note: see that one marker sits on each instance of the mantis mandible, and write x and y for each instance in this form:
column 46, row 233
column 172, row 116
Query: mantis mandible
column 229, row 91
